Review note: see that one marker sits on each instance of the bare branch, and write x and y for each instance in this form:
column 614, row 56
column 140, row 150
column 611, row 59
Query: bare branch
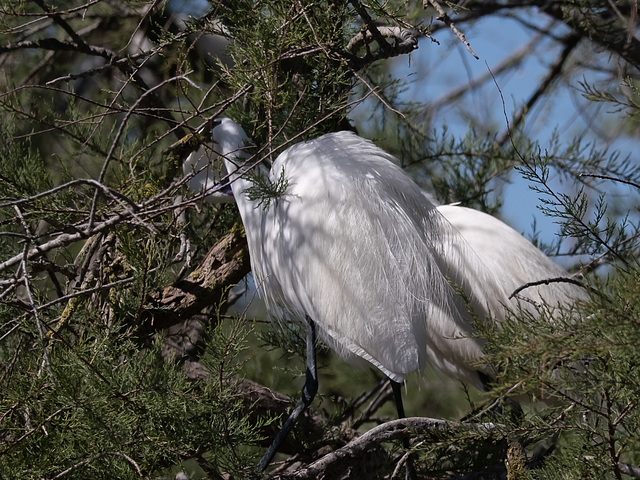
column 393, row 430
column 628, row 469
column 86, row 461
column 57, row 45
column 225, row 264
column 443, row 17
column 613, row 179
column 66, row 239
column 547, row 281
column 405, row 42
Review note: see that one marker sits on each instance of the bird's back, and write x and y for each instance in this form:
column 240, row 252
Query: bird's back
column 354, row 244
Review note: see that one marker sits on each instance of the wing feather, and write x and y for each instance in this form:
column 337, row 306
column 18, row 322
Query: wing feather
column 354, row 244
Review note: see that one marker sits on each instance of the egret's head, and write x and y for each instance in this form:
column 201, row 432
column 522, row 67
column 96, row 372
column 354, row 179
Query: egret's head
column 207, row 173
column 229, row 138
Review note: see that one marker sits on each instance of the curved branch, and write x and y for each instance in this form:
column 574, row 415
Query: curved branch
column 405, row 42
column 393, row 430
column 225, row 264
column 547, row 281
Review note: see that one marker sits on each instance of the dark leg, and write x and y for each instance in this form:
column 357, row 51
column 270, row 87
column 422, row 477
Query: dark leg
column 397, row 395
column 308, row 392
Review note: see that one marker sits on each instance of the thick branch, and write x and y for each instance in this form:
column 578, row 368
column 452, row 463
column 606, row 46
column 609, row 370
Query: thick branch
column 57, row 45
column 405, row 40
column 67, row 239
column 225, row 264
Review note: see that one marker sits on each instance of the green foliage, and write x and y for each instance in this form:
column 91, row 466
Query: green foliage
column 264, row 190
column 583, row 374
column 23, row 171
column 586, row 221
column 95, row 228
column 105, row 407
column 290, row 58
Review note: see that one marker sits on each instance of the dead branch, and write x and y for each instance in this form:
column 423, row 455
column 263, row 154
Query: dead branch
column 443, row 17
column 225, row 264
column 405, row 40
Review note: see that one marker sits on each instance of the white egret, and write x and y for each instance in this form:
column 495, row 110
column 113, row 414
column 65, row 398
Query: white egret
column 353, row 247
column 513, row 260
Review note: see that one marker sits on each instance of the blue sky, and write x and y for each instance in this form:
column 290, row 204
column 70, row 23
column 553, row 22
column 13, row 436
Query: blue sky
column 435, row 70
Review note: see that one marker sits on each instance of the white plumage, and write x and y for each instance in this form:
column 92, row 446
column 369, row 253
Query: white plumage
column 204, row 175
column 354, row 244
column 354, row 249
column 513, row 260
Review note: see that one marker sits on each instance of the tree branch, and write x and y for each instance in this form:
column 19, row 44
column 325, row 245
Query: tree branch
column 602, row 27
column 570, row 42
column 225, row 264
column 405, row 40
column 443, row 17
column 342, row 458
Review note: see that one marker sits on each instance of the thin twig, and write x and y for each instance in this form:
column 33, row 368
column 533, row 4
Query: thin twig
column 443, row 17
column 547, row 189
column 608, row 177
column 546, row 281
column 119, row 133
column 32, row 304
column 31, row 430
column 96, row 457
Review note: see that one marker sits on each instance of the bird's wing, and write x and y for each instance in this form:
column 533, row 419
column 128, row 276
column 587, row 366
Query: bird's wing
column 354, row 244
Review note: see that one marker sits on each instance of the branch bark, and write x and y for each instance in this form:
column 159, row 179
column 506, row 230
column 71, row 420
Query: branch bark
column 225, row 264
column 345, row 457
column 405, row 40
column 443, row 17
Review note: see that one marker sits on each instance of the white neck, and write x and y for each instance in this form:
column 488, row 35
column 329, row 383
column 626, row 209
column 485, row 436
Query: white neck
column 231, row 141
